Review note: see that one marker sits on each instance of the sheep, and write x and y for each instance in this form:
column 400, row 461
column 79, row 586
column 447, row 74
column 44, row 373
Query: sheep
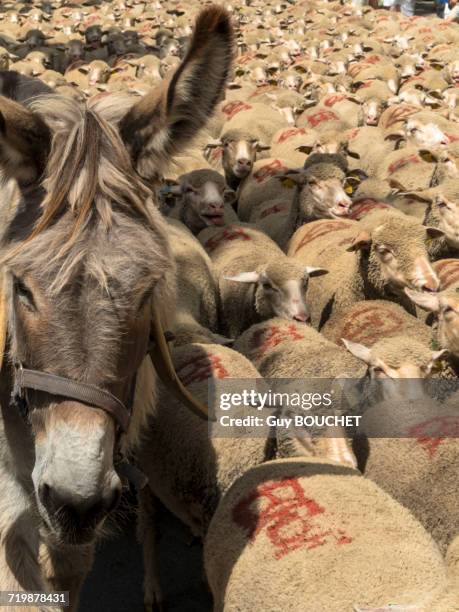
column 369, row 321
column 372, row 258
column 316, row 191
column 286, row 144
column 196, row 317
column 398, row 356
column 88, row 75
column 203, row 199
column 279, row 348
column 419, row 466
column 239, row 152
column 258, row 119
column 445, row 308
column 188, row 470
column 322, row 120
column 300, row 533
column 261, row 186
column 416, row 169
column 257, row 281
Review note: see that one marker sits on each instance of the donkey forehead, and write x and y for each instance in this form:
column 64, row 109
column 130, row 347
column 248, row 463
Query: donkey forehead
column 115, row 263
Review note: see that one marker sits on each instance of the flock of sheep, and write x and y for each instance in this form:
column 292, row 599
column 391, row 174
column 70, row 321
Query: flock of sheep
column 314, row 222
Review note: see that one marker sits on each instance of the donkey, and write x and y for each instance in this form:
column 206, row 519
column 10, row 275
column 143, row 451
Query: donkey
column 85, row 261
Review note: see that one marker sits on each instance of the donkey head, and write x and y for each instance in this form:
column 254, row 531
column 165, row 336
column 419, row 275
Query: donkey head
column 87, row 261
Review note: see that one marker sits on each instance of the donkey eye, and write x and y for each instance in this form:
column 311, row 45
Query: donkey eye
column 24, row 294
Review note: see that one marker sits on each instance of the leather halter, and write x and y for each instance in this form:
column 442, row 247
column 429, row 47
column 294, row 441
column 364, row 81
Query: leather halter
column 59, row 385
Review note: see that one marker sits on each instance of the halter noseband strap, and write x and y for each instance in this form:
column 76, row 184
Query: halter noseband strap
column 71, row 389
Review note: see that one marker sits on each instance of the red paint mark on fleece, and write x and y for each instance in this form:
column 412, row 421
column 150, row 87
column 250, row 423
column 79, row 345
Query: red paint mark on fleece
column 284, row 513
column 290, row 133
column 321, row 116
column 321, row 228
column 332, row 100
column 271, row 210
column 270, row 337
column 266, row 172
column 362, row 207
column 201, row 368
column 401, row 163
column 369, row 324
column 431, row 433
column 399, row 113
column 447, row 271
column 233, row 108
column 228, row 233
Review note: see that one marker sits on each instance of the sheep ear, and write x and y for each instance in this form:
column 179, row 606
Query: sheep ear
column 434, row 232
column 229, row 196
column 358, row 350
column 357, row 175
column 24, row 141
column 426, row 301
column 307, row 149
column 311, row 272
column 360, row 242
column 428, row 156
column 244, row 277
column 291, row 178
column 165, row 119
column 213, row 144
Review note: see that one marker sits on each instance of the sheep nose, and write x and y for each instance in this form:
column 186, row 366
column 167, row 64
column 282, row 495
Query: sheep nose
column 431, row 285
column 216, row 206
column 244, row 163
column 302, row 317
column 79, row 511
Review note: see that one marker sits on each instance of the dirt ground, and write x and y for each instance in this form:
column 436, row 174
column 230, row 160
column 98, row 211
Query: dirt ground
column 115, row 583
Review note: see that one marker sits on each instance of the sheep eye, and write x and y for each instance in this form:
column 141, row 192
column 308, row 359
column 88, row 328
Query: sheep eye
column 23, row 293
column 382, row 250
column 442, row 204
column 266, row 286
column 447, row 310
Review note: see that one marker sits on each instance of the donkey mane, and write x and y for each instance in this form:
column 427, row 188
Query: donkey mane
column 88, row 167
column 89, row 187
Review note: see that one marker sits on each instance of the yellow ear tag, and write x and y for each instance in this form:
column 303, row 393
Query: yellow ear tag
column 288, row 183
column 349, row 189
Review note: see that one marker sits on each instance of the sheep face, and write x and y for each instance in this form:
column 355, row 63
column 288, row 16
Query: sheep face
column 395, row 359
column 446, row 308
column 447, row 213
column 320, row 196
column 395, row 256
column 239, row 155
column 324, row 198
column 372, row 110
column 93, row 36
column 452, row 71
column 425, row 135
column 205, row 203
column 74, row 51
column 281, row 289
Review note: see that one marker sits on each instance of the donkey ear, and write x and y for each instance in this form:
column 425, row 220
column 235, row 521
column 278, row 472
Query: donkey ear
column 164, row 120
column 24, row 141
